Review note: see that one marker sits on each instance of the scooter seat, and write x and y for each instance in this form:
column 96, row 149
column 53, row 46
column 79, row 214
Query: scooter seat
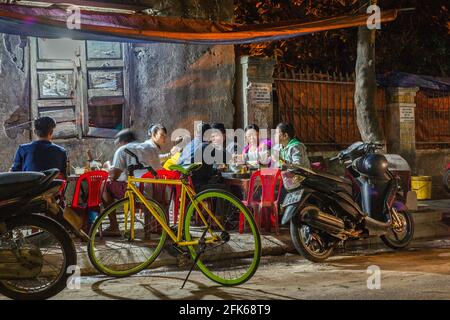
column 16, row 183
column 20, row 177
column 334, row 178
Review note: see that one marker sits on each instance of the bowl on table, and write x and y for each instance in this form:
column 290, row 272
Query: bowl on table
column 235, row 168
column 79, row 171
column 253, row 165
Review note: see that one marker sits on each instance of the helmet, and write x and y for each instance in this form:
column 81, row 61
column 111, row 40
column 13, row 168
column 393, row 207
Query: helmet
column 372, row 165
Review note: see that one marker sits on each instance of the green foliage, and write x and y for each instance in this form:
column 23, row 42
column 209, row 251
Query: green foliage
column 417, row 42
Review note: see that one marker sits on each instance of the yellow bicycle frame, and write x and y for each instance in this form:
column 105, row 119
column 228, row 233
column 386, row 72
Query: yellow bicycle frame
column 133, row 192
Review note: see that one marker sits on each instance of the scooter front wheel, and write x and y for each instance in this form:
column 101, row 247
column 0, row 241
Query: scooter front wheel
column 399, row 237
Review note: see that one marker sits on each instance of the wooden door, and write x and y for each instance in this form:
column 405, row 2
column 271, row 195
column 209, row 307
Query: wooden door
column 106, row 101
column 55, row 86
column 83, row 85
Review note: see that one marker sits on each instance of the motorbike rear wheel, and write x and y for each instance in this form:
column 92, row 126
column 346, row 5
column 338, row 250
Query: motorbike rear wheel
column 309, row 243
column 57, row 251
column 400, row 238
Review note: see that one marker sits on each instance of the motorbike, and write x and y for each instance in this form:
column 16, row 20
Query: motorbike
column 326, row 210
column 35, row 250
column 447, row 178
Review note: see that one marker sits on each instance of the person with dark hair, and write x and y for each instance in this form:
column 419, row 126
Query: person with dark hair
column 192, row 150
column 220, row 127
column 292, row 150
column 118, row 173
column 42, row 154
column 230, row 147
column 124, row 137
column 117, row 183
column 157, row 134
column 194, row 153
column 223, row 151
column 256, row 151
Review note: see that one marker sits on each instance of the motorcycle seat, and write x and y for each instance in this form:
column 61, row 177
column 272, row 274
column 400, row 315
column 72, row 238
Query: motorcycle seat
column 334, row 178
column 20, row 177
column 16, row 183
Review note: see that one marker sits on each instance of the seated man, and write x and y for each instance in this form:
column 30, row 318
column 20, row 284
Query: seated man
column 117, row 184
column 292, row 151
column 219, row 141
column 42, row 154
column 194, row 153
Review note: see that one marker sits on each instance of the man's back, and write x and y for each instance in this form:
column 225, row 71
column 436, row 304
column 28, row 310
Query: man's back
column 194, row 153
column 145, row 152
column 40, row 155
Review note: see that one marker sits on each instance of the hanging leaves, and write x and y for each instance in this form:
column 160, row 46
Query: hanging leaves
column 400, row 45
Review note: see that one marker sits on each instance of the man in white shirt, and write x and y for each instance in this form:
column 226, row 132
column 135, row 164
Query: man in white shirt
column 157, row 134
column 116, row 185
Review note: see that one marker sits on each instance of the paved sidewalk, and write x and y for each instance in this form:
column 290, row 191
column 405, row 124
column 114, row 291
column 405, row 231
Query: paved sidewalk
column 439, row 205
column 272, row 246
column 430, row 222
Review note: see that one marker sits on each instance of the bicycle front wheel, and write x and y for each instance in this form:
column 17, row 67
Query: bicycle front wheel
column 231, row 258
column 114, row 250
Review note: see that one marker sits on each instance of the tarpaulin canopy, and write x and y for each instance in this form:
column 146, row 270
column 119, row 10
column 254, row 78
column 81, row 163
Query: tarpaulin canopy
column 51, row 22
column 408, row 80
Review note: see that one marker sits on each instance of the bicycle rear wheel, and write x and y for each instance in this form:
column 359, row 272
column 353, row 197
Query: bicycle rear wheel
column 234, row 258
column 117, row 254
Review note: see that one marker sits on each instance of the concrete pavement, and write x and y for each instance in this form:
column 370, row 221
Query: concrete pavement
column 430, row 222
column 421, row 272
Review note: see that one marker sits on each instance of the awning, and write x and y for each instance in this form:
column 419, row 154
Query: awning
column 408, row 80
column 51, row 22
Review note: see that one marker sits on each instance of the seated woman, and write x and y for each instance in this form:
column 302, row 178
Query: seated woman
column 257, row 151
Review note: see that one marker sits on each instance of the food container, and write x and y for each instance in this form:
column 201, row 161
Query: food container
column 79, row 171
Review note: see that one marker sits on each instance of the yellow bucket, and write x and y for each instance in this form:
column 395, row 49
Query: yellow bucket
column 422, row 186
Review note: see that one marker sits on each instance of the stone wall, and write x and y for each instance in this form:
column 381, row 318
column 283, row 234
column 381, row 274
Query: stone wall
column 14, row 97
column 172, row 84
column 178, row 84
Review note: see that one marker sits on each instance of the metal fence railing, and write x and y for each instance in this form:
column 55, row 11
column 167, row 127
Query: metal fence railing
column 321, row 107
column 432, row 119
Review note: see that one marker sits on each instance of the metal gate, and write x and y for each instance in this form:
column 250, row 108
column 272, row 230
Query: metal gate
column 321, row 107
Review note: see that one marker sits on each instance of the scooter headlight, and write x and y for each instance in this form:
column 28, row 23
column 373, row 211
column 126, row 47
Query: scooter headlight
column 291, row 180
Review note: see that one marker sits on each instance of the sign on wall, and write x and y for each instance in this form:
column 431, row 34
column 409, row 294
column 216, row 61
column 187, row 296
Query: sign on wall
column 260, row 104
column 407, row 114
column 260, row 94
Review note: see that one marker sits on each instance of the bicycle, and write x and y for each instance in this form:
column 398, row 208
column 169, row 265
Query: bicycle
column 141, row 239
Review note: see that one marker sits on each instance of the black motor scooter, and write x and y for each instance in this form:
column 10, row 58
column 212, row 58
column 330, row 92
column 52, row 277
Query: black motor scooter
column 35, row 250
column 323, row 210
